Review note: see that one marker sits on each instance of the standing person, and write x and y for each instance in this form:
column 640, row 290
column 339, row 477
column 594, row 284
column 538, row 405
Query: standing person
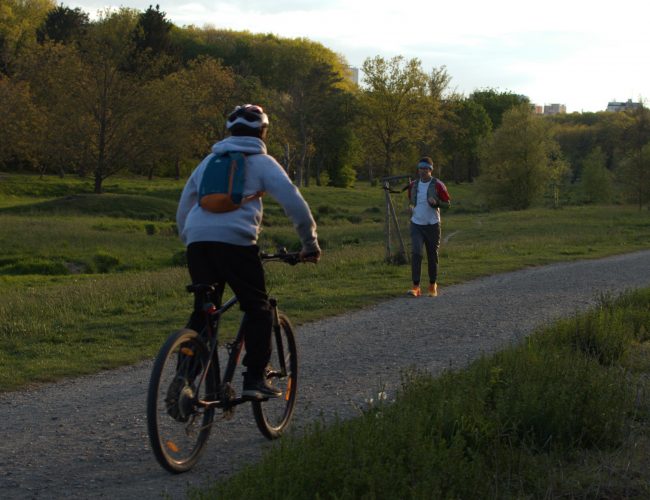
column 426, row 195
column 222, row 247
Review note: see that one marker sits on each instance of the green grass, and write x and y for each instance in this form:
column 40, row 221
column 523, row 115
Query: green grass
column 564, row 414
column 109, row 245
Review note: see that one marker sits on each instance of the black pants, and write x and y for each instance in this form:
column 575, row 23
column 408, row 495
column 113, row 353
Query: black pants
column 428, row 237
column 241, row 268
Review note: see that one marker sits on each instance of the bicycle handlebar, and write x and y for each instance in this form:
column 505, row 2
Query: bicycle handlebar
column 291, row 258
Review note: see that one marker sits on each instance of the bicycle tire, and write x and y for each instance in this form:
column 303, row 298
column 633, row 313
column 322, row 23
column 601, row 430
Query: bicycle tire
column 273, row 415
column 178, row 429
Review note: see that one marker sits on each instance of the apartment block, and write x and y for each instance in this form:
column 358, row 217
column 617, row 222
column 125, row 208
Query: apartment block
column 554, row 109
column 616, row 106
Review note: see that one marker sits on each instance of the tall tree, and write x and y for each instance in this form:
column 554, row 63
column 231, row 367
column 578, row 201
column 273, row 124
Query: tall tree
column 496, row 103
column 516, row 161
column 53, row 70
column 393, row 102
column 19, row 20
column 464, row 125
column 338, row 149
column 429, row 139
column 154, row 53
column 21, row 122
column 189, row 111
column 634, row 171
column 64, row 25
column 309, row 99
column 113, row 100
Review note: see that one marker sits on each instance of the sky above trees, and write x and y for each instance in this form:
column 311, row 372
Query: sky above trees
column 579, row 53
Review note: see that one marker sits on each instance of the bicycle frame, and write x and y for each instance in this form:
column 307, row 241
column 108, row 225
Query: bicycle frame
column 234, row 349
column 213, row 315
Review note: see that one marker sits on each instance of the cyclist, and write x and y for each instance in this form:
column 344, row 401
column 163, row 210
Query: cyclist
column 222, row 247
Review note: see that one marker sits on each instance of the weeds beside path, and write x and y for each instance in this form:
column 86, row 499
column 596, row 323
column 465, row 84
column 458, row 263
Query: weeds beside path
column 86, row 437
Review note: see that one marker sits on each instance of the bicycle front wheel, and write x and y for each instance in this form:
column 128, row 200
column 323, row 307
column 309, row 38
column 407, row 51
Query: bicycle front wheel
column 273, row 415
column 178, row 427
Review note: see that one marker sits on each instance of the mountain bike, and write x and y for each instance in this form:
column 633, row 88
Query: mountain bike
column 187, row 390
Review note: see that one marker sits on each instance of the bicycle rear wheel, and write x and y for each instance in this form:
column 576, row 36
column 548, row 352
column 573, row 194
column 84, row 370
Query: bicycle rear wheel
column 272, row 416
column 178, row 427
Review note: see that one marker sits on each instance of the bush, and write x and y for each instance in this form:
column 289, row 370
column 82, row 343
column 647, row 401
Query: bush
column 35, row 266
column 596, row 182
column 179, row 259
column 344, row 177
column 105, row 262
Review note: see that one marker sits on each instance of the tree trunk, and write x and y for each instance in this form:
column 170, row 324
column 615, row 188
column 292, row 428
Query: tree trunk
column 287, row 160
column 177, row 169
column 302, row 161
column 298, row 179
column 319, row 168
column 98, row 183
column 388, row 163
column 307, row 172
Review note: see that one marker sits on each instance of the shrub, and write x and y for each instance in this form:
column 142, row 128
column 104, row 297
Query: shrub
column 596, row 182
column 179, row 259
column 35, row 266
column 105, row 262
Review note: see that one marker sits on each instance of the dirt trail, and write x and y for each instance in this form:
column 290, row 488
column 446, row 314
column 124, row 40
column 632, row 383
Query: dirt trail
column 86, row 438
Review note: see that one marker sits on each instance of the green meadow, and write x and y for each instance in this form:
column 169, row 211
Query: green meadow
column 90, row 282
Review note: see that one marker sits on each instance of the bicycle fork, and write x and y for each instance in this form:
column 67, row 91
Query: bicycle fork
column 278, row 337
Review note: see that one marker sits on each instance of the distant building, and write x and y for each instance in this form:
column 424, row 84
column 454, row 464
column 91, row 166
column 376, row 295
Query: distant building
column 615, row 106
column 353, row 74
column 554, row 109
column 538, row 109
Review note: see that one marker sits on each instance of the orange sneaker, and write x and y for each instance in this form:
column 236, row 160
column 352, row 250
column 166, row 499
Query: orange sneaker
column 433, row 290
column 414, row 292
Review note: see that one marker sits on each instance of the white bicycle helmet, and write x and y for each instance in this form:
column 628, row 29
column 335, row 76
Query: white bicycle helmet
column 249, row 115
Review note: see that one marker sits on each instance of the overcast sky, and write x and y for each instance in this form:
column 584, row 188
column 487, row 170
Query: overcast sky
column 580, row 53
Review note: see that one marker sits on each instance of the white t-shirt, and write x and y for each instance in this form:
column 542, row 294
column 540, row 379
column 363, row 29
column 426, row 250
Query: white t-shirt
column 423, row 213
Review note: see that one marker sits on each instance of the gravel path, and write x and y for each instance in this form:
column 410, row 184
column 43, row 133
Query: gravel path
column 86, row 437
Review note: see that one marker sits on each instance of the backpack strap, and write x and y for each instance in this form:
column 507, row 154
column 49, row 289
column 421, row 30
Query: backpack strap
column 253, row 196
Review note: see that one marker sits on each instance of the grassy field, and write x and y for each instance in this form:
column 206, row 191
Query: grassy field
column 103, row 275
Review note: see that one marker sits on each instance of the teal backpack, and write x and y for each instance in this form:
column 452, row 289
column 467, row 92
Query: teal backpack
column 222, row 186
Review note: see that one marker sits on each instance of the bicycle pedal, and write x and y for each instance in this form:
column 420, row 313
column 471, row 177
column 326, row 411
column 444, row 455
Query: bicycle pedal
column 255, row 398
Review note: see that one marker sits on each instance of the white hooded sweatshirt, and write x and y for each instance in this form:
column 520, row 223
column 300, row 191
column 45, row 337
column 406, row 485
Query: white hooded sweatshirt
column 242, row 226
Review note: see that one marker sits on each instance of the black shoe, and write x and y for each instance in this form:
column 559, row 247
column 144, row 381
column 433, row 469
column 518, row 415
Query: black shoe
column 259, row 388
